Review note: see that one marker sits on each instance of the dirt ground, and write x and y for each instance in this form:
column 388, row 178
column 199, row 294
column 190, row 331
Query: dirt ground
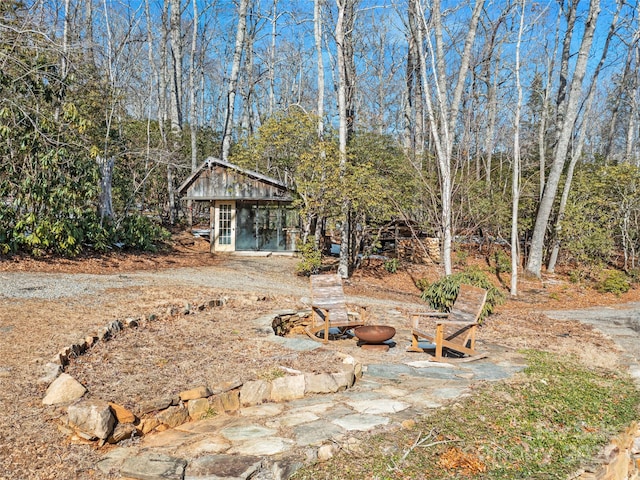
column 183, row 351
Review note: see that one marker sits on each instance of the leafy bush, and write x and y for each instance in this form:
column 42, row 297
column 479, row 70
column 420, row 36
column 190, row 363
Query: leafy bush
column 442, row 294
column 140, row 233
column 461, row 258
column 311, row 258
column 392, row 265
column 502, row 262
column 634, row 275
column 614, row 282
column 422, row 284
column 577, row 275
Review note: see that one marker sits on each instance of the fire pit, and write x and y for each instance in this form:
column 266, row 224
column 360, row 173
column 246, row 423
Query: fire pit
column 373, row 337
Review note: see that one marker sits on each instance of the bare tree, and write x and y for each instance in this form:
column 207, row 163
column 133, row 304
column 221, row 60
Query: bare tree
column 413, row 112
column 346, row 74
column 515, row 182
column 565, row 129
column 578, row 145
column 317, row 35
column 442, row 109
column 233, row 78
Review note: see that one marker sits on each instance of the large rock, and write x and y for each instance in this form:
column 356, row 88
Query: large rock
column 223, row 387
column 50, row 372
column 154, row 404
column 255, row 392
column 226, row 402
column 287, row 388
column 123, row 415
column 64, row 389
column 198, row 408
column 325, row 382
column 194, row 393
column 123, row 431
column 93, row 418
column 173, row 416
column 223, row 467
column 153, row 466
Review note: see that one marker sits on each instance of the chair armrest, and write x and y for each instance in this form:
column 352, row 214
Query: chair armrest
column 455, row 322
column 429, row 314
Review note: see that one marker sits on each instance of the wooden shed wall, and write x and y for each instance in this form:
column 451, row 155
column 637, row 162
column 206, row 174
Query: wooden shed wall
column 223, row 183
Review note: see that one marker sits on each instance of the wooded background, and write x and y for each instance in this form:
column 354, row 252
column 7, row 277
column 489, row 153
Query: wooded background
column 513, row 120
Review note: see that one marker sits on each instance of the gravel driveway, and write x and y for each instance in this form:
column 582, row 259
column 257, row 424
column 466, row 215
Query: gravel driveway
column 269, row 275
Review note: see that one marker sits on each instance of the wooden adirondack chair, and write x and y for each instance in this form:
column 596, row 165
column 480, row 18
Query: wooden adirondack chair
column 329, row 307
column 454, row 331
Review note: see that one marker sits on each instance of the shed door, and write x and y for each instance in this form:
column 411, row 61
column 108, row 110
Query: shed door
column 225, row 226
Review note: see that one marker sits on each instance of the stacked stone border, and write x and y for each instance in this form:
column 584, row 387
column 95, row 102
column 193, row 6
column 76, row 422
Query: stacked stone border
column 619, row 460
column 95, row 420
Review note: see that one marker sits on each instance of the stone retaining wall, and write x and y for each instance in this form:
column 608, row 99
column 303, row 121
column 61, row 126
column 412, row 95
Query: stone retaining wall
column 619, row 460
column 95, row 420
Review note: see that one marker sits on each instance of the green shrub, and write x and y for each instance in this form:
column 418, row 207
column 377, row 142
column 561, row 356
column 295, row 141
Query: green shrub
column 461, row 258
column 634, row 275
column 422, row 284
column 577, row 275
column 442, row 294
column 392, row 265
column 138, row 232
column 615, row 282
column 502, row 262
column 311, row 258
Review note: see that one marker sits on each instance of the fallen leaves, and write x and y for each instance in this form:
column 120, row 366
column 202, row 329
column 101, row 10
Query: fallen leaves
column 464, row 463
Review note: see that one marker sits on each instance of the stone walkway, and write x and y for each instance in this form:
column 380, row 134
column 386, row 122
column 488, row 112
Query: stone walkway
column 621, row 324
column 272, row 440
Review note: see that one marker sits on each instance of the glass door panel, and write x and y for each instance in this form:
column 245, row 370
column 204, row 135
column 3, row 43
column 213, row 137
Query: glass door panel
column 225, row 226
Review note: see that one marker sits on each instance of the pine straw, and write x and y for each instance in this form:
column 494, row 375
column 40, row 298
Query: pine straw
column 163, row 357
column 31, row 331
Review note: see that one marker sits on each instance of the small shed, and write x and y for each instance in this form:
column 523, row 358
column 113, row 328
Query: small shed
column 247, row 211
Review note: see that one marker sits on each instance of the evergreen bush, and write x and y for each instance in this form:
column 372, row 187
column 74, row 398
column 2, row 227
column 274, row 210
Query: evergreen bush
column 615, row 282
column 311, row 258
column 442, row 294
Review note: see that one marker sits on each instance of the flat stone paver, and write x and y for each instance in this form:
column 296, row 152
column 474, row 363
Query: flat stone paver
column 378, row 406
column 361, row 422
column 264, row 410
column 213, row 467
column 153, row 466
column 211, row 444
column 399, row 390
column 316, row 433
column 488, row 371
column 292, row 419
column 246, row 432
column 262, row 446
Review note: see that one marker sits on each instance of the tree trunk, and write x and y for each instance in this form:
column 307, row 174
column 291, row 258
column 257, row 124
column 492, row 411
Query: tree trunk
column 317, row 35
column 579, row 144
column 106, row 174
column 233, row 78
column 443, row 116
column 515, row 182
column 246, row 120
column 175, row 102
column 632, row 124
column 193, row 120
column 542, row 148
column 176, row 71
column 89, row 42
column 534, row 264
column 272, row 55
column 346, row 71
